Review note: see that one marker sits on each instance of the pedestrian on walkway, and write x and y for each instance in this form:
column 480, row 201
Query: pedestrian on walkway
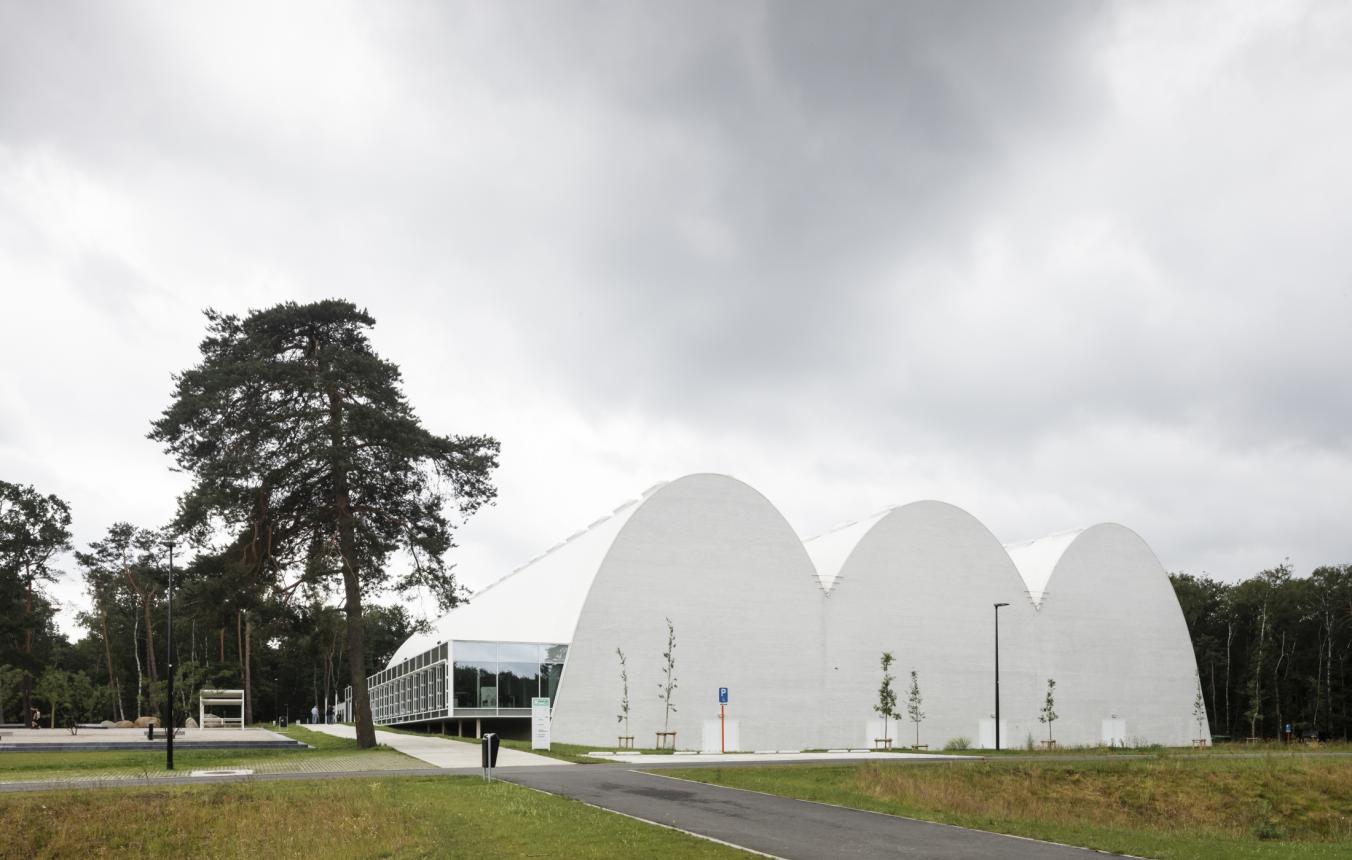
column 314, row 715
column 328, row 715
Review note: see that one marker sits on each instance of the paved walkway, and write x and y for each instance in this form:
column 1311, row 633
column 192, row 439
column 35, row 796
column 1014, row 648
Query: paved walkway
column 779, row 826
column 443, row 752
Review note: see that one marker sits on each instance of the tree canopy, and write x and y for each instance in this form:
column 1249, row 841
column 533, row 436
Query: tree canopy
column 34, row 529
column 304, row 451
column 1272, row 650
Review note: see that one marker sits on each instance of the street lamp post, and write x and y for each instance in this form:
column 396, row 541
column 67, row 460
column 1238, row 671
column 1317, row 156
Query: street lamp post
column 997, row 675
column 169, row 722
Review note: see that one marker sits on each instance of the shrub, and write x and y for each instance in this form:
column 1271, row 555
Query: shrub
column 958, row 744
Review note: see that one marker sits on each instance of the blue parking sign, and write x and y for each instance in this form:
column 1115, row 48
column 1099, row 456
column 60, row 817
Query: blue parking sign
column 722, row 695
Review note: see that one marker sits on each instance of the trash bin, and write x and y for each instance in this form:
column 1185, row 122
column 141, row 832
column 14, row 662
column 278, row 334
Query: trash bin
column 281, row 722
column 489, row 750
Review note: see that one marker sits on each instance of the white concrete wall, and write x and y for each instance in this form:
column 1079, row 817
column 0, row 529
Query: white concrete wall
column 720, row 561
column 922, row 583
column 1113, row 636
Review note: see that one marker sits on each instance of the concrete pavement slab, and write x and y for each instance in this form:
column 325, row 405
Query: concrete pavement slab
column 443, row 752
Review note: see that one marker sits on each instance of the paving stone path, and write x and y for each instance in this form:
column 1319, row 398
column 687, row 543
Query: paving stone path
column 443, row 752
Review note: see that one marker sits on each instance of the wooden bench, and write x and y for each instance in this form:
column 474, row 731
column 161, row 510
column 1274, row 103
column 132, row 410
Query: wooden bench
column 1048, row 745
column 666, row 740
column 626, row 741
column 1200, row 743
column 920, row 747
column 882, row 743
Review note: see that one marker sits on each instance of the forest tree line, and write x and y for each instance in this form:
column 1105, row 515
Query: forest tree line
column 286, row 653
column 314, row 487
column 1272, row 650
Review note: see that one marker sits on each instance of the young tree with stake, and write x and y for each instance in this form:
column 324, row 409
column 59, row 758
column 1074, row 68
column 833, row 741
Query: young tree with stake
column 668, row 686
column 913, row 703
column 1048, row 715
column 887, row 697
column 623, row 715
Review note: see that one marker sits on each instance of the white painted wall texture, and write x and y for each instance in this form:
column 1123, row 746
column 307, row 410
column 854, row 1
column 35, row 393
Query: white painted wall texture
column 799, row 647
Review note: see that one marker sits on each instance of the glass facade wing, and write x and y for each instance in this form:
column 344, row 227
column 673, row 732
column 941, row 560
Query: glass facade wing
column 485, row 679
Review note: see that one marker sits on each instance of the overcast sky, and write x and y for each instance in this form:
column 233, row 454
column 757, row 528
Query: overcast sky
column 1054, row 263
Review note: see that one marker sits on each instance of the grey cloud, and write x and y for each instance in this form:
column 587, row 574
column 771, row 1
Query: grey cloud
column 886, row 248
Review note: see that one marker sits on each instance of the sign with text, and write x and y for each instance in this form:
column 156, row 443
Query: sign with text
column 722, row 695
column 540, row 718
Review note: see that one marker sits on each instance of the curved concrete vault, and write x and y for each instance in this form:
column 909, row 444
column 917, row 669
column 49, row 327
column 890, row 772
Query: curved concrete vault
column 795, row 630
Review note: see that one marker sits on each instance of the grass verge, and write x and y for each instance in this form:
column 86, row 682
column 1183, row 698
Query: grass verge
column 64, row 764
column 1184, row 807
column 400, row 817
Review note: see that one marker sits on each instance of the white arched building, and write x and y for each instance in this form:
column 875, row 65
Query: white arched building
column 795, row 631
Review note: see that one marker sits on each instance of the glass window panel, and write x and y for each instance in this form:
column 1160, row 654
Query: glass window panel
column 488, row 689
column 518, row 652
column 476, row 685
column 518, row 683
column 549, row 680
column 476, row 652
column 555, row 653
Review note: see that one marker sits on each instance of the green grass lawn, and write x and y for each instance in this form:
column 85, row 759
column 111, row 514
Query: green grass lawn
column 1242, row 749
column 1184, row 806
column 397, row 817
column 31, row 765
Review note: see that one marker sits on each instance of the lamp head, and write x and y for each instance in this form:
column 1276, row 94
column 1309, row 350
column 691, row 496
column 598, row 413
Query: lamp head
column 998, row 605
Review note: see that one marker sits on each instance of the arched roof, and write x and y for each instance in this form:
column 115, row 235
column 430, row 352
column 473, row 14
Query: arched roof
column 830, row 550
column 537, row 602
column 540, row 601
column 1037, row 559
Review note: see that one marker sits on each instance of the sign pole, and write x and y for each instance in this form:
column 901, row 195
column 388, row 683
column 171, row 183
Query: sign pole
column 722, row 719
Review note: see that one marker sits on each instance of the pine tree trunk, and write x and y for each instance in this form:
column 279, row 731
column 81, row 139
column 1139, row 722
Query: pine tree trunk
column 28, row 651
column 347, row 547
column 108, row 655
column 136, row 652
column 356, row 661
column 1257, row 703
column 1328, row 686
column 1229, row 638
column 152, row 703
column 248, row 673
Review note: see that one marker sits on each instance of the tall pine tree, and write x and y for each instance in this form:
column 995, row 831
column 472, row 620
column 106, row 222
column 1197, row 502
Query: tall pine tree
column 299, row 439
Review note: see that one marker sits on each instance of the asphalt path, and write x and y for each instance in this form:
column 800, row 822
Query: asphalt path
column 777, row 826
